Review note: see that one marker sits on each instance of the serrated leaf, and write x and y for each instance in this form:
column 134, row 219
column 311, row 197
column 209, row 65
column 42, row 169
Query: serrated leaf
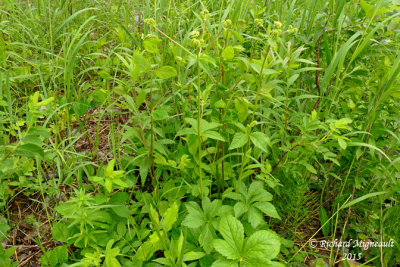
column 220, row 104
column 239, row 140
column 264, row 244
column 166, row 72
column 224, row 263
column 255, row 217
column 232, row 231
column 260, row 140
column 226, row 249
column 240, row 208
column 228, row 53
column 170, row 216
column 195, row 217
column 268, row 209
column 193, row 255
column 206, row 237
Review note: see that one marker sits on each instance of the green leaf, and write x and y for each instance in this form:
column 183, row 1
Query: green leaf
column 151, row 45
column 119, row 198
column 140, row 62
column 257, row 69
column 355, row 201
column 60, row 232
column 29, row 150
column 154, row 216
column 160, row 114
column 105, row 75
column 242, row 108
column 214, row 135
column 193, row 255
column 224, row 263
column 170, row 216
column 268, row 209
column 195, row 217
column 226, row 249
column 260, row 140
column 342, row 143
column 140, row 98
column 264, row 244
column 255, row 217
column 232, row 231
column 228, row 53
column 310, row 168
column 206, row 237
column 239, row 140
column 220, row 104
column 323, row 217
column 166, row 72
column 240, row 208
column 122, row 211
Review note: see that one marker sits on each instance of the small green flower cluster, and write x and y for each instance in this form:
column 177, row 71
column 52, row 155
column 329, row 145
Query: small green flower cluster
column 151, row 22
column 227, row 24
column 196, row 41
column 205, row 14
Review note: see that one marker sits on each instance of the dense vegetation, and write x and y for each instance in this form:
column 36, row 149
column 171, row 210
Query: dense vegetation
column 199, row 133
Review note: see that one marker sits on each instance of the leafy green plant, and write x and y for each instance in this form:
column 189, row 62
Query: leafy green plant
column 256, row 250
column 253, row 203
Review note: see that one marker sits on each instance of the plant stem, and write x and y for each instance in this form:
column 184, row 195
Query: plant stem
column 252, row 117
column 199, row 122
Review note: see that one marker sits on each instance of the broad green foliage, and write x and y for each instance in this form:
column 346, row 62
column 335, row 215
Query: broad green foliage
column 256, row 250
column 199, row 133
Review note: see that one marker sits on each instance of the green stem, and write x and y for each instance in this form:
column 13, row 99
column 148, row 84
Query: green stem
column 252, row 118
column 199, row 123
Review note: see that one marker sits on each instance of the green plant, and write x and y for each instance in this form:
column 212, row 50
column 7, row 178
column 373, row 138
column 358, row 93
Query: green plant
column 256, row 250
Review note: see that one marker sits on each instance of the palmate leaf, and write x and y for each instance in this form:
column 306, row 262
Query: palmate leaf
column 253, row 202
column 257, row 250
column 205, row 219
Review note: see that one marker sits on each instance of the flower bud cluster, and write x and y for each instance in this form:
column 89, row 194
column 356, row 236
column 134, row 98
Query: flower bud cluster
column 292, row 30
column 227, row 24
column 151, row 22
column 196, row 41
column 205, row 14
column 258, row 22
